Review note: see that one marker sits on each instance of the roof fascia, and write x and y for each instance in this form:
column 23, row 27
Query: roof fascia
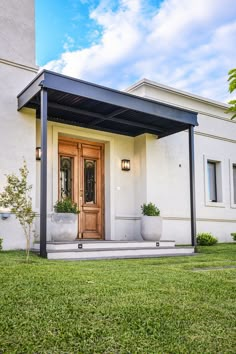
column 88, row 90
column 30, row 90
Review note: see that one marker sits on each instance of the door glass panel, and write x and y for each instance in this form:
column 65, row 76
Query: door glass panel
column 90, row 181
column 66, row 177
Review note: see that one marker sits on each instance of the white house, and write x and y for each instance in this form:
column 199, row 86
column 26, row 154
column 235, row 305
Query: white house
column 86, row 130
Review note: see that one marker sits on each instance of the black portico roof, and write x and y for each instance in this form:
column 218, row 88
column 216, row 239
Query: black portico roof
column 77, row 102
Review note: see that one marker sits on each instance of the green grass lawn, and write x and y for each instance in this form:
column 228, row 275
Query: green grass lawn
column 158, row 305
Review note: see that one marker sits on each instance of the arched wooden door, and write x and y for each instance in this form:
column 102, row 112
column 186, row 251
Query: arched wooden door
column 81, row 178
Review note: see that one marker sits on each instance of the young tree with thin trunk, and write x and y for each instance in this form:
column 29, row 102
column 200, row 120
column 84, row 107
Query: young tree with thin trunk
column 16, row 196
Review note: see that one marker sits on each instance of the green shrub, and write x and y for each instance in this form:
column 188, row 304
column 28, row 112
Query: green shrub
column 66, row 206
column 1, row 243
column 233, row 234
column 206, row 239
column 150, row 209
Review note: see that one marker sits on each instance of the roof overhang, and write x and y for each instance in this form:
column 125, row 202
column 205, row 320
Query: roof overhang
column 76, row 102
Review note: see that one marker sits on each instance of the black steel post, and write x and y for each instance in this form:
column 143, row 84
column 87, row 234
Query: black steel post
column 43, row 181
column 192, row 185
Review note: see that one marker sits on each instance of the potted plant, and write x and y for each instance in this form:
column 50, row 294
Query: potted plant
column 64, row 226
column 151, row 222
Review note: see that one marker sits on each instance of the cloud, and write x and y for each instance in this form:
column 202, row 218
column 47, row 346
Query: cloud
column 185, row 44
column 69, row 43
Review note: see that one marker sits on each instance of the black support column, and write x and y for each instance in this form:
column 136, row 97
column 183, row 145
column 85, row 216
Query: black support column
column 192, row 185
column 43, row 181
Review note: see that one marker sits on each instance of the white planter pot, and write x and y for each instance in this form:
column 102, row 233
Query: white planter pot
column 64, row 226
column 151, row 228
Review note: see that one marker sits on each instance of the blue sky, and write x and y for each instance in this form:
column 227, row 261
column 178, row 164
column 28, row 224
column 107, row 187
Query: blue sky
column 187, row 44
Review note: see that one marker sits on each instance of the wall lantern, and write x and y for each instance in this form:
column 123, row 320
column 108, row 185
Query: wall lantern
column 5, row 216
column 5, row 213
column 38, row 153
column 125, row 165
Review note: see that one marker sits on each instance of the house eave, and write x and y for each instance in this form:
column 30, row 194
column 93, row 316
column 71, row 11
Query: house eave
column 169, row 89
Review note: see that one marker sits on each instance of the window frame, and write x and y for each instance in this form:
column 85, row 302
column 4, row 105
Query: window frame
column 219, row 168
column 214, row 187
column 232, row 164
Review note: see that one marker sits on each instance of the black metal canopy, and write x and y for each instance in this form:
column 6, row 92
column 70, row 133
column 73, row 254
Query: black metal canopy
column 76, row 102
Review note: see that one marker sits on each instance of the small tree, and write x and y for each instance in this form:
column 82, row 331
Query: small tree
column 16, row 196
column 232, row 87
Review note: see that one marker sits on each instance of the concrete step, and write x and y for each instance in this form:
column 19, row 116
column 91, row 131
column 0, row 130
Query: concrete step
column 111, row 253
column 91, row 244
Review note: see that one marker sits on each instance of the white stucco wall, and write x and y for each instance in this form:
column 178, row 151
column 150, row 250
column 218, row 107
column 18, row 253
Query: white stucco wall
column 167, row 166
column 17, row 31
column 17, row 142
column 17, row 129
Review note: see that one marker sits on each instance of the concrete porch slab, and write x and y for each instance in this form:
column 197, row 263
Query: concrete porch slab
column 93, row 249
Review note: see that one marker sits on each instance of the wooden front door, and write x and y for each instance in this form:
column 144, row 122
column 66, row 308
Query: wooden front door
column 81, row 178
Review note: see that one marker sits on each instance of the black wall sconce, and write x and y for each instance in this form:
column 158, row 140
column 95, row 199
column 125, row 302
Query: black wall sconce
column 5, row 216
column 125, row 165
column 38, row 153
